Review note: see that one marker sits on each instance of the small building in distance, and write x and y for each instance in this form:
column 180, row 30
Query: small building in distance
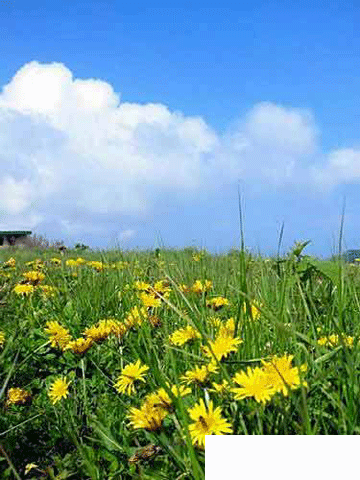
column 12, row 237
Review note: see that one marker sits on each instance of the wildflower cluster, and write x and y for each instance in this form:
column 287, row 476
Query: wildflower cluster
column 275, row 376
column 335, row 340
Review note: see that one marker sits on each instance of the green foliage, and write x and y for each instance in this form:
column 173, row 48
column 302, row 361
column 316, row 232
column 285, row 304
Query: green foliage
column 87, row 435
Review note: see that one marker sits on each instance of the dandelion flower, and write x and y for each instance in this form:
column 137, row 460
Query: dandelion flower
column 184, row 335
column 55, row 261
column 220, row 388
column 117, row 328
column 80, row 261
column 10, row 263
column 58, row 390
column 282, row 375
column 47, row 290
column 23, row 289
column 17, row 396
column 34, row 277
column 222, row 346
column 200, row 375
column 96, row 265
column 128, row 376
column 59, row 335
column 2, row 338
column 150, row 300
column 255, row 312
column 136, row 317
column 142, row 286
column 198, row 287
column 99, row 332
column 80, row 345
column 208, row 421
column 227, row 329
column 335, row 340
column 71, row 262
column 147, row 417
column 184, row 288
column 217, row 303
column 161, row 399
column 254, row 383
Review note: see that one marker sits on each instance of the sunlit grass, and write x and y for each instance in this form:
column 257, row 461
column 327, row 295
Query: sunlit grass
column 115, row 364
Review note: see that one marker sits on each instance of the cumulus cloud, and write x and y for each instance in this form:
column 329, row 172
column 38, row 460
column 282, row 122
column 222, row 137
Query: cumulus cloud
column 72, row 154
column 126, row 235
column 272, row 145
column 69, row 145
column 340, row 166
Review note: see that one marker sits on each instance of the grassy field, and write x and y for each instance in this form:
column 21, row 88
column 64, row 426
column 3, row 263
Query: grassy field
column 116, row 365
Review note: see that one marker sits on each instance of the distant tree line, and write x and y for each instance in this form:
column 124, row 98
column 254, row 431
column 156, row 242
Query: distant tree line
column 348, row 256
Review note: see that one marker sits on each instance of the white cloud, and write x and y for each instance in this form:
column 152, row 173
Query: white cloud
column 127, row 235
column 72, row 154
column 72, row 140
column 15, row 195
column 340, row 166
column 289, row 130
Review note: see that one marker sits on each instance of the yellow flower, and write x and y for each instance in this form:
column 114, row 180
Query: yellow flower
column 99, row 332
column 34, row 277
column 254, row 383
column 282, row 375
column 128, row 376
column 148, row 417
column 80, row 261
column 117, row 328
column 59, row 336
column 58, row 390
column 97, row 265
column 161, row 287
column 10, row 263
column 29, row 467
column 217, row 303
column 161, row 399
column 38, row 264
column 142, row 286
column 150, row 300
column 207, row 422
column 55, row 261
column 47, row 290
column 220, row 388
column 227, row 329
column 184, row 288
column 255, row 312
column 17, row 396
column 222, row 346
column 71, row 263
column 135, row 317
column 200, row 375
column 183, row 335
column 80, row 345
column 23, row 289
column 198, row 287
column 335, row 340
column 2, row 338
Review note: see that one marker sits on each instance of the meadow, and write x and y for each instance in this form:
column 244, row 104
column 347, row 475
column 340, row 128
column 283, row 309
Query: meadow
column 115, row 365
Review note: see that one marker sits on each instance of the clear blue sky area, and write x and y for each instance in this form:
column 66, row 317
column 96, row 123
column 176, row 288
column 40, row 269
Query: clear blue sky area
column 216, row 63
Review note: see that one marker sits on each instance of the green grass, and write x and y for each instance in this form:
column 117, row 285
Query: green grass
column 87, row 435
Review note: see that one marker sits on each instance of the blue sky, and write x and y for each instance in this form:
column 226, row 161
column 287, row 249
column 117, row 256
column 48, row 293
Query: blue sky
column 130, row 124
